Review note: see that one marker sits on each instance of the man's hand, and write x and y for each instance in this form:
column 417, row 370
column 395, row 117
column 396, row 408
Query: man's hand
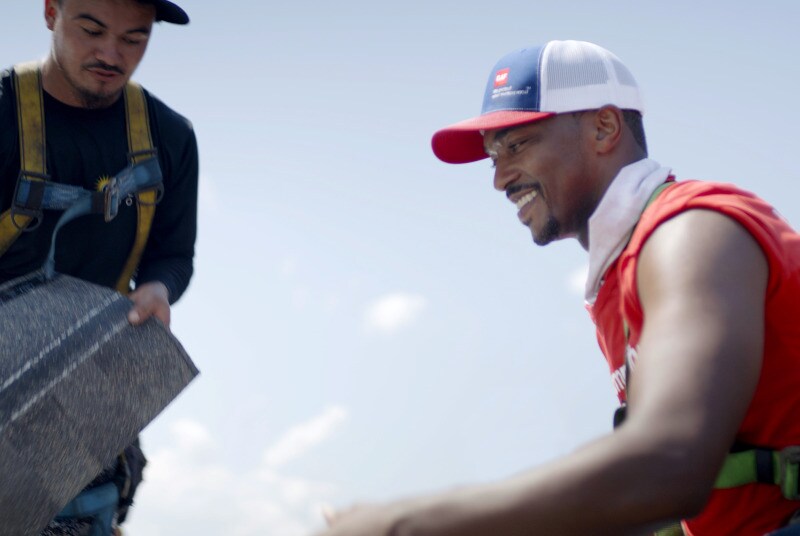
column 149, row 299
column 364, row 520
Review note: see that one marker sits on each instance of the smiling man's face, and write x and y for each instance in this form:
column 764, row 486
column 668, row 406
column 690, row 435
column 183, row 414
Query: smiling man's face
column 544, row 169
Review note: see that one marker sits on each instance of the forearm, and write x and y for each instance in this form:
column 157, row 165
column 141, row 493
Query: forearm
column 169, row 255
column 608, row 487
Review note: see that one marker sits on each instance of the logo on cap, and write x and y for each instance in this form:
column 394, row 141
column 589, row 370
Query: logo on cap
column 501, row 78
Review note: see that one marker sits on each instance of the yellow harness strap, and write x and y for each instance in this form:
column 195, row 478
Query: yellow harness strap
column 140, row 147
column 30, row 121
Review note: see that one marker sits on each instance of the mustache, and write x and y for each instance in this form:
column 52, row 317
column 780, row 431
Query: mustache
column 104, row 66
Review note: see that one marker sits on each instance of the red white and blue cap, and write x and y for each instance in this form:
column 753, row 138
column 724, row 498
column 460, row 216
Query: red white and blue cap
column 536, row 83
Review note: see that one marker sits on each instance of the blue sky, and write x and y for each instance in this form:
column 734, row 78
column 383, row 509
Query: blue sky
column 370, row 322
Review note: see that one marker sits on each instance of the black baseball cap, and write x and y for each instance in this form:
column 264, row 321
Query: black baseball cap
column 169, row 12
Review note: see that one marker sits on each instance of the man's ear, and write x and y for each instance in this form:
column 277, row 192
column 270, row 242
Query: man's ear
column 50, row 12
column 608, row 126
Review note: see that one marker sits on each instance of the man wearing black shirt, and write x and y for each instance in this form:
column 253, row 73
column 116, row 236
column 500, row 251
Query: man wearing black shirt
column 96, row 47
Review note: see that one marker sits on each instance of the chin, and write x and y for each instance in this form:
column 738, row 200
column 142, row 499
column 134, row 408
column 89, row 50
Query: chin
column 549, row 233
column 543, row 241
column 99, row 99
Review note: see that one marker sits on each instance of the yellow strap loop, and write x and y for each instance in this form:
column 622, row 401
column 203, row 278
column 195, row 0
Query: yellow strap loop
column 32, row 156
column 140, row 146
column 30, row 117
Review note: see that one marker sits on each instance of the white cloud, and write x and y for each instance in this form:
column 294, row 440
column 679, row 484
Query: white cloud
column 576, row 282
column 394, row 311
column 188, row 489
column 299, row 439
column 190, row 435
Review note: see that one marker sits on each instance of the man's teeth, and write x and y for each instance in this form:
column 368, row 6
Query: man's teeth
column 525, row 199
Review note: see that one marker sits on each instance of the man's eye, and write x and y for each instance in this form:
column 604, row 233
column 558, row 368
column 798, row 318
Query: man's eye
column 517, row 146
column 132, row 41
column 93, row 33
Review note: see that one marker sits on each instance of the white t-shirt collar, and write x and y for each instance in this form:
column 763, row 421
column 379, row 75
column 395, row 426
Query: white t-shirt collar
column 613, row 221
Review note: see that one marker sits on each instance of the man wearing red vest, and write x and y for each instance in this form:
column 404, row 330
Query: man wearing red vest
column 693, row 288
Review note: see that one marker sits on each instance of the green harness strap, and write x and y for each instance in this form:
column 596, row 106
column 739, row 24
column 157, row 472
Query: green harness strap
column 33, row 161
column 778, row 467
column 671, row 530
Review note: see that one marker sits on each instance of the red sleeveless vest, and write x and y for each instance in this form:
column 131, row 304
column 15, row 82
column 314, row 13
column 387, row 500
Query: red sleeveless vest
column 773, row 418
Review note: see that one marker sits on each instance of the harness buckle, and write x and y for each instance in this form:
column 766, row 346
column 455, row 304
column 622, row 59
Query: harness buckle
column 111, row 199
column 788, row 477
column 27, row 200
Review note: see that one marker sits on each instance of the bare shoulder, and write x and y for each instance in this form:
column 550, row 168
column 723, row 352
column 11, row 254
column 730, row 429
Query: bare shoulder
column 700, row 251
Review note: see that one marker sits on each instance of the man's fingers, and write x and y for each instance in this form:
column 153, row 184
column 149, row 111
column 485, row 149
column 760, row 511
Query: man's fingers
column 138, row 314
column 151, row 299
column 162, row 313
column 134, row 317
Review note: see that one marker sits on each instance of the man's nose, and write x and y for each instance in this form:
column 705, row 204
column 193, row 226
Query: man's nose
column 504, row 175
column 108, row 52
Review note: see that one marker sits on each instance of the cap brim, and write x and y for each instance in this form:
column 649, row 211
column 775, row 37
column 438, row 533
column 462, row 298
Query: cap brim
column 168, row 12
column 463, row 142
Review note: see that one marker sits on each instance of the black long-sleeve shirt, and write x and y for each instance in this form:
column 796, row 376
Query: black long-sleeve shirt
column 84, row 146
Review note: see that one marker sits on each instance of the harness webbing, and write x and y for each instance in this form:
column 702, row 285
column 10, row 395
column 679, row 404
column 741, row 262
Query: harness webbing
column 32, row 156
column 140, row 147
column 99, row 504
column 675, row 529
column 33, row 162
column 30, row 115
column 767, row 466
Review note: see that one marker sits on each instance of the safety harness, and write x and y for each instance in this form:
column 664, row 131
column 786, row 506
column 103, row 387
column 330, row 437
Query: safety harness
column 35, row 192
column 98, row 503
column 744, row 464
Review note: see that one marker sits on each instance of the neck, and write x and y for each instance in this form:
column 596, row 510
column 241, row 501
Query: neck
column 604, row 178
